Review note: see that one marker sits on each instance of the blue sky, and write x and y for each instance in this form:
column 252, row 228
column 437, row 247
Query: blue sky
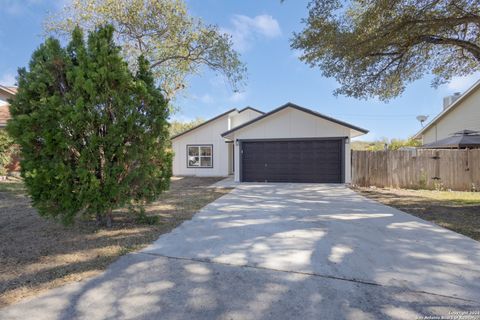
column 261, row 31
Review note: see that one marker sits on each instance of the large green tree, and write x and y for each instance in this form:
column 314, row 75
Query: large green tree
column 175, row 43
column 93, row 136
column 376, row 47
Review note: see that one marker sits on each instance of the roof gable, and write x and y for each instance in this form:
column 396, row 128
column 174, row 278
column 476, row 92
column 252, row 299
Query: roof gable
column 204, row 123
column 250, row 108
column 9, row 90
column 297, row 107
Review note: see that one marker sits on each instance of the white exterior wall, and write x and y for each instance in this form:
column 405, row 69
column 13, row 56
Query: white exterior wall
column 244, row 116
column 207, row 134
column 210, row 134
column 293, row 123
column 466, row 115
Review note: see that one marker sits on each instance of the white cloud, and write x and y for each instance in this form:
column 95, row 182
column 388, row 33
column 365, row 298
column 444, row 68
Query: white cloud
column 263, row 24
column 205, row 98
column 463, row 83
column 218, row 82
column 238, row 97
column 245, row 29
column 7, row 79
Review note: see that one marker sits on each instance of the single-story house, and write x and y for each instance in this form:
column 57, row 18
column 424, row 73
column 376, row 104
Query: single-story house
column 6, row 92
column 287, row 144
column 461, row 113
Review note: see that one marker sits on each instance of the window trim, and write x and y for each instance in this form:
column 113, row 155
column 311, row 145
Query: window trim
column 199, row 145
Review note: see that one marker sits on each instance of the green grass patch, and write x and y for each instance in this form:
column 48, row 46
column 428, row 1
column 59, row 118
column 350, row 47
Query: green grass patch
column 13, row 186
column 457, row 197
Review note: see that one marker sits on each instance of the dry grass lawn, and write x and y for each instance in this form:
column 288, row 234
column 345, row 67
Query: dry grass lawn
column 457, row 211
column 38, row 254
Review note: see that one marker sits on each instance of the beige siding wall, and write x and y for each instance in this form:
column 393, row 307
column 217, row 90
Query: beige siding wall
column 293, row 123
column 464, row 116
column 430, row 135
column 208, row 134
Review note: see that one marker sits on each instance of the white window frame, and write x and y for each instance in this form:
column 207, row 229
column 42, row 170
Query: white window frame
column 199, row 146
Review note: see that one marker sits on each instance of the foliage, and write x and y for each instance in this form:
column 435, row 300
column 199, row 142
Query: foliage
column 396, row 144
column 93, row 135
column 7, row 149
column 423, row 180
column 377, row 47
column 369, row 145
column 177, row 127
column 143, row 218
column 175, row 44
column 379, row 145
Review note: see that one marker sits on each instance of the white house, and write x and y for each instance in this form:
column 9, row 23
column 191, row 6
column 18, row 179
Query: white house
column 287, row 144
column 461, row 112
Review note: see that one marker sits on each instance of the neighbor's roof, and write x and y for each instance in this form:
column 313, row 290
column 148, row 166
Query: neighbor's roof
column 215, row 118
column 446, row 111
column 459, row 140
column 4, row 112
column 9, row 89
column 292, row 105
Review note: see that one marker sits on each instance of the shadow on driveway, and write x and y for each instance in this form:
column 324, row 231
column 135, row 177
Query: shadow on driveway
column 282, row 251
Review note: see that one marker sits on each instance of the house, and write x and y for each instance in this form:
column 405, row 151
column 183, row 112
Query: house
column 6, row 92
column 287, row 144
column 460, row 116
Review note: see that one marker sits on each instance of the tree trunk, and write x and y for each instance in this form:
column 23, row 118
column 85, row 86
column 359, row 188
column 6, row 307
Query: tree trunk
column 105, row 220
column 99, row 219
column 109, row 219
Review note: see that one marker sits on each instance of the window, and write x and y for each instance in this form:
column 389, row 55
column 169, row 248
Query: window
column 200, row 156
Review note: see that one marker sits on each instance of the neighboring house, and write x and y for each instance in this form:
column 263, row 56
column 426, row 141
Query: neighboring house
column 6, row 92
column 461, row 113
column 287, row 144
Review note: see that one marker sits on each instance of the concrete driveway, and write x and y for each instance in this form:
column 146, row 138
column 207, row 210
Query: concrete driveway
column 282, row 251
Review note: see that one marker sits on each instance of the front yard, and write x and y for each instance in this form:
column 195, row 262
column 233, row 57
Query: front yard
column 457, row 211
column 37, row 254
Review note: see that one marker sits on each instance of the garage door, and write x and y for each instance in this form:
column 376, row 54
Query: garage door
column 292, row 161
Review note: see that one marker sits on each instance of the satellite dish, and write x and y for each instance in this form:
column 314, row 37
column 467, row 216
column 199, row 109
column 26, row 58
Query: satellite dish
column 422, row 119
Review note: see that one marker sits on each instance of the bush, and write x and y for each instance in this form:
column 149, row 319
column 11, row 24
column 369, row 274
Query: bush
column 7, row 150
column 142, row 218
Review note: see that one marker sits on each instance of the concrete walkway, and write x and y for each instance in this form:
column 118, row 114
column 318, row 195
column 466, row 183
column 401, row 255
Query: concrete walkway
column 282, row 251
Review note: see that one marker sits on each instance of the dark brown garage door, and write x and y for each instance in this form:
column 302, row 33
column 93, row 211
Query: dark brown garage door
column 292, row 161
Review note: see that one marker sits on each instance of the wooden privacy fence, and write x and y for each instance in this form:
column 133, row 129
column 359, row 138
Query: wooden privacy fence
column 425, row 169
